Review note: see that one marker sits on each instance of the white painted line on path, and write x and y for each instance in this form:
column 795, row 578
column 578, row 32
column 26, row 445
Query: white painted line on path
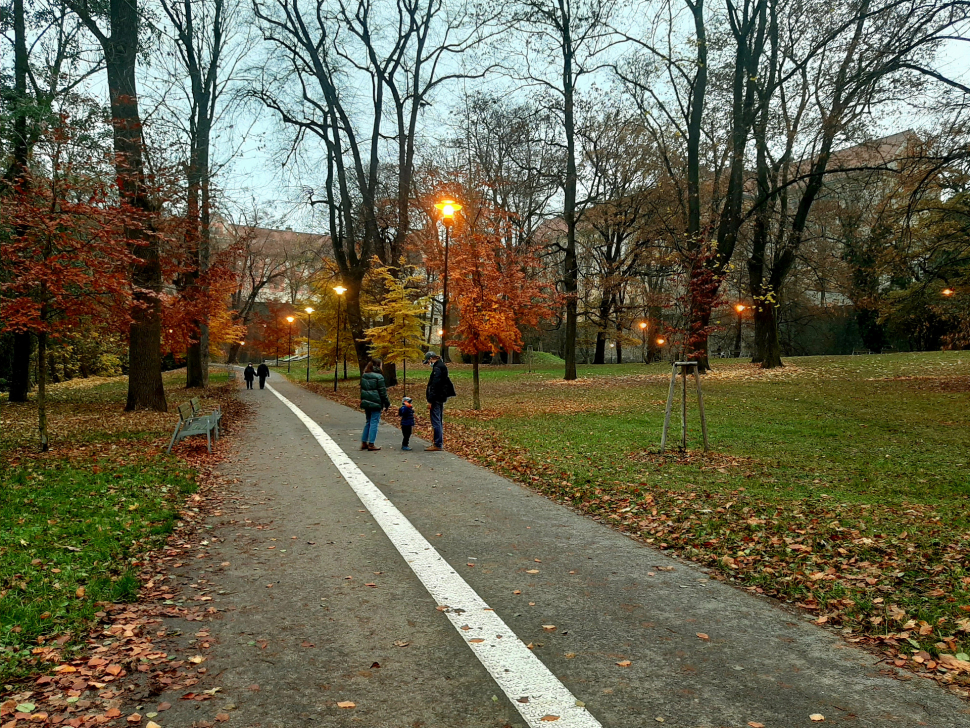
column 516, row 669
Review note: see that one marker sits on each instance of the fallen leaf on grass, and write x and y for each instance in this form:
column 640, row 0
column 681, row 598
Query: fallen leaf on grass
column 346, row 704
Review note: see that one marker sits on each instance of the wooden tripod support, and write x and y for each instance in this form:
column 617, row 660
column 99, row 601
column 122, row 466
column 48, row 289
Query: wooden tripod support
column 684, row 367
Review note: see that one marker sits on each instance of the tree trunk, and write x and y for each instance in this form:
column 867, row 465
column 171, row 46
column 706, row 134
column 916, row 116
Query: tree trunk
column 42, row 390
column 599, row 356
column 767, row 345
column 570, row 261
column 22, row 344
column 145, row 388
column 390, row 374
column 619, row 351
column 476, row 391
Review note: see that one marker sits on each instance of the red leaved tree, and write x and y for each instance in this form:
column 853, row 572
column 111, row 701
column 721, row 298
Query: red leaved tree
column 497, row 289
column 66, row 257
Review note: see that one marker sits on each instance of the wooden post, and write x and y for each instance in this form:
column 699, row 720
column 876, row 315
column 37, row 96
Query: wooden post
column 684, row 366
column 670, row 404
column 683, row 410
column 700, row 407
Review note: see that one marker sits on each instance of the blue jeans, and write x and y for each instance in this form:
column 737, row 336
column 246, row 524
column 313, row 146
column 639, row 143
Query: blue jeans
column 370, row 425
column 437, row 423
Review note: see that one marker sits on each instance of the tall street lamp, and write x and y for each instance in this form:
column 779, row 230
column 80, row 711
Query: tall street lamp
column 643, row 337
column 308, row 312
column 448, row 208
column 740, row 307
column 289, row 350
column 336, row 353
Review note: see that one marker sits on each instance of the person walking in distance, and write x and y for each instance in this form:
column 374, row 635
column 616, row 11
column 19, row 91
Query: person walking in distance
column 440, row 389
column 249, row 374
column 373, row 399
column 262, row 372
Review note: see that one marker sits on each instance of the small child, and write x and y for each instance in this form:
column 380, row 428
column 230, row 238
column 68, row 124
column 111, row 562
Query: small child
column 406, row 413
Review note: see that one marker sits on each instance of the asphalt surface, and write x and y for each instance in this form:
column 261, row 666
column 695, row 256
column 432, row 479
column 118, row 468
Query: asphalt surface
column 317, row 607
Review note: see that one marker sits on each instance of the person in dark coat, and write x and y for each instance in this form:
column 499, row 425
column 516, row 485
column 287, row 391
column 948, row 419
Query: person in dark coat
column 249, row 374
column 439, row 390
column 373, row 399
column 406, row 413
column 262, row 372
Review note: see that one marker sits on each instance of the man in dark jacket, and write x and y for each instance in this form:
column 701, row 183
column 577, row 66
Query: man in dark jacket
column 439, row 390
column 262, row 372
column 249, row 374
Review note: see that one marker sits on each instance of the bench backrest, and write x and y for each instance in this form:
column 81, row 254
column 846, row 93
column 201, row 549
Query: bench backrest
column 185, row 411
column 196, row 404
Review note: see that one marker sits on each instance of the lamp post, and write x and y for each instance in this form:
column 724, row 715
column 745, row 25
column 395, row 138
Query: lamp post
column 308, row 312
column 643, row 338
column 737, row 337
column 448, row 208
column 289, row 349
column 336, row 353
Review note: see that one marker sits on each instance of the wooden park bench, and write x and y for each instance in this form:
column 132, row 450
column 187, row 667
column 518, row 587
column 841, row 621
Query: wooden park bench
column 193, row 422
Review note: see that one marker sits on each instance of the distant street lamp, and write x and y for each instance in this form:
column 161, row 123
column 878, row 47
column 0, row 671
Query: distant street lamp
column 448, row 208
column 643, row 337
column 740, row 307
column 289, row 349
column 336, row 354
column 308, row 312
column 947, row 291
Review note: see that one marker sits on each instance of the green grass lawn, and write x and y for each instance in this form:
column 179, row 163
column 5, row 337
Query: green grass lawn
column 838, row 483
column 76, row 520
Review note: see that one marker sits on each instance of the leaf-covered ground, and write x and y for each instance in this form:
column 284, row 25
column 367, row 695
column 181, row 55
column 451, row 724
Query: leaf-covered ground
column 838, row 484
column 79, row 520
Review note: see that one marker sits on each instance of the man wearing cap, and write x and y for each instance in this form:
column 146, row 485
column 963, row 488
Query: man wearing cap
column 439, row 390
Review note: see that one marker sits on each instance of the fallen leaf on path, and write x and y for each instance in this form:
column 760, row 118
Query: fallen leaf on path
column 195, row 660
column 152, row 724
column 532, row 571
column 549, row 627
column 476, row 640
column 162, row 707
column 755, row 724
column 222, row 717
column 549, row 718
column 134, row 718
column 401, row 643
column 702, row 636
column 624, row 663
column 346, row 704
column 570, row 655
column 816, row 717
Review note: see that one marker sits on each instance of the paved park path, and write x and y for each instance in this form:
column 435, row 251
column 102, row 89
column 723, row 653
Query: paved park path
column 409, row 584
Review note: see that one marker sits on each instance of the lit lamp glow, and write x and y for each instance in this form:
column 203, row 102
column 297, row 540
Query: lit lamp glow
column 947, row 291
column 740, row 307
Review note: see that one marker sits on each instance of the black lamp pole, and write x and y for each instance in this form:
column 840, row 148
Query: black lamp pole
column 289, row 348
column 336, row 341
column 444, row 293
column 308, row 347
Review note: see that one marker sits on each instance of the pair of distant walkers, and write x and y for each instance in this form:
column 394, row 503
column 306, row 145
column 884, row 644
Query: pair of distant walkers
column 249, row 374
column 374, row 400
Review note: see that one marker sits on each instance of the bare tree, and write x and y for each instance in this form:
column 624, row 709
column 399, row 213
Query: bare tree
column 565, row 41
column 325, row 53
